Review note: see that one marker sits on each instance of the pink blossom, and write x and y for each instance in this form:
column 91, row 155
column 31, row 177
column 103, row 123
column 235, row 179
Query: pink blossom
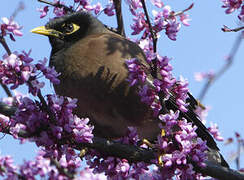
column 184, row 18
column 231, row 5
column 214, row 130
column 172, row 28
column 157, row 3
column 11, row 26
column 43, row 11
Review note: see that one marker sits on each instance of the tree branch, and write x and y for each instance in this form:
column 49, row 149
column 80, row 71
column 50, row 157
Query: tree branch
column 221, row 172
column 120, row 28
column 66, row 8
column 226, row 66
column 5, row 46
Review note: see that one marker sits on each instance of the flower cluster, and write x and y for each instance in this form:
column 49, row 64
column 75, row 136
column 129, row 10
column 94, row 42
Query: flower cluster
column 180, row 91
column 116, row 168
column 165, row 84
column 78, row 5
column 178, row 142
column 17, row 69
column 214, row 130
column 10, row 27
column 41, row 167
column 233, row 5
column 136, row 71
column 165, row 19
column 202, row 112
column 47, row 127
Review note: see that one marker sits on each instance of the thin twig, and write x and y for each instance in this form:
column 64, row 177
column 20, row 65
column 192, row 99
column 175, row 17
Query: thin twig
column 5, row 46
column 62, row 170
column 154, row 39
column 120, row 28
column 20, row 7
column 238, row 156
column 226, row 66
column 66, row 8
column 226, row 29
column 181, row 12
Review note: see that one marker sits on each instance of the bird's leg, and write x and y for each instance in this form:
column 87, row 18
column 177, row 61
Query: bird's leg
column 148, row 143
column 83, row 152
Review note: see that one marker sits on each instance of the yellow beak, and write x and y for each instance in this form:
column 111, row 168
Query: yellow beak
column 47, row 32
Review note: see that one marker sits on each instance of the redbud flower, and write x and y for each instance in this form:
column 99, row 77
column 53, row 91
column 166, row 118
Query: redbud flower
column 43, row 11
column 231, row 5
column 11, row 26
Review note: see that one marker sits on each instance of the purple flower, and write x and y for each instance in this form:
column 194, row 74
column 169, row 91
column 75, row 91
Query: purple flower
column 184, row 18
column 166, row 81
column 123, row 167
column 4, row 122
column 241, row 17
column 43, row 11
column 231, row 5
column 49, row 72
column 33, row 118
column 157, row 3
column 87, row 174
column 57, row 10
column 109, row 10
column 180, row 91
column 134, row 4
column 159, row 22
column 156, row 107
column 139, row 23
column 136, row 72
column 9, row 169
column 166, row 11
column 172, row 28
column 81, row 130
column 97, row 8
column 147, row 94
column 178, row 148
column 13, row 70
column 131, row 137
column 10, row 26
column 202, row 113
column 214, row 130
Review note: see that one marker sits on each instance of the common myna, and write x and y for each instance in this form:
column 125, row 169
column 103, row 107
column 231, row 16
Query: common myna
column 91, row 60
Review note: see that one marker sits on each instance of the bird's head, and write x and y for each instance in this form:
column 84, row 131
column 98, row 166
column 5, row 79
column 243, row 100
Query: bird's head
column 70, row 28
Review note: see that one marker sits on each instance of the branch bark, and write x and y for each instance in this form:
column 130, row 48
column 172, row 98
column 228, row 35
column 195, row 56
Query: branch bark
column 120, row 28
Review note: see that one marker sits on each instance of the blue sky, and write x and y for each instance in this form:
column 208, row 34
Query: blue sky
column 200, row 47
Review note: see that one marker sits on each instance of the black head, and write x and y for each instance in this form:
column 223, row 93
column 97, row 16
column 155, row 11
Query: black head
column 65, row 30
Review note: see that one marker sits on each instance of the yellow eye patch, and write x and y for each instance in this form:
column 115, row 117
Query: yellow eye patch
column 70, row 28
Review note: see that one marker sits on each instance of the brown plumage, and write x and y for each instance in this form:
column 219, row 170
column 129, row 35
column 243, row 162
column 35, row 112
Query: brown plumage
column 97, row 77
column 91, row 60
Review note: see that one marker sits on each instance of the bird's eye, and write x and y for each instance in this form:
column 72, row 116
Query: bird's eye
column 68, row 28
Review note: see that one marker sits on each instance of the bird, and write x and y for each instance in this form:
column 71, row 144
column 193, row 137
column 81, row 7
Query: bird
column 91, row 59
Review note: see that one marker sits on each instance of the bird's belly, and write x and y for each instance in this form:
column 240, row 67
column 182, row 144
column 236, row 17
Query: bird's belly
column 111, row 113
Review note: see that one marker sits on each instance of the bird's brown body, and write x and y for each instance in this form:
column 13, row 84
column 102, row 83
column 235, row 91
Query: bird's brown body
column 97, row 77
